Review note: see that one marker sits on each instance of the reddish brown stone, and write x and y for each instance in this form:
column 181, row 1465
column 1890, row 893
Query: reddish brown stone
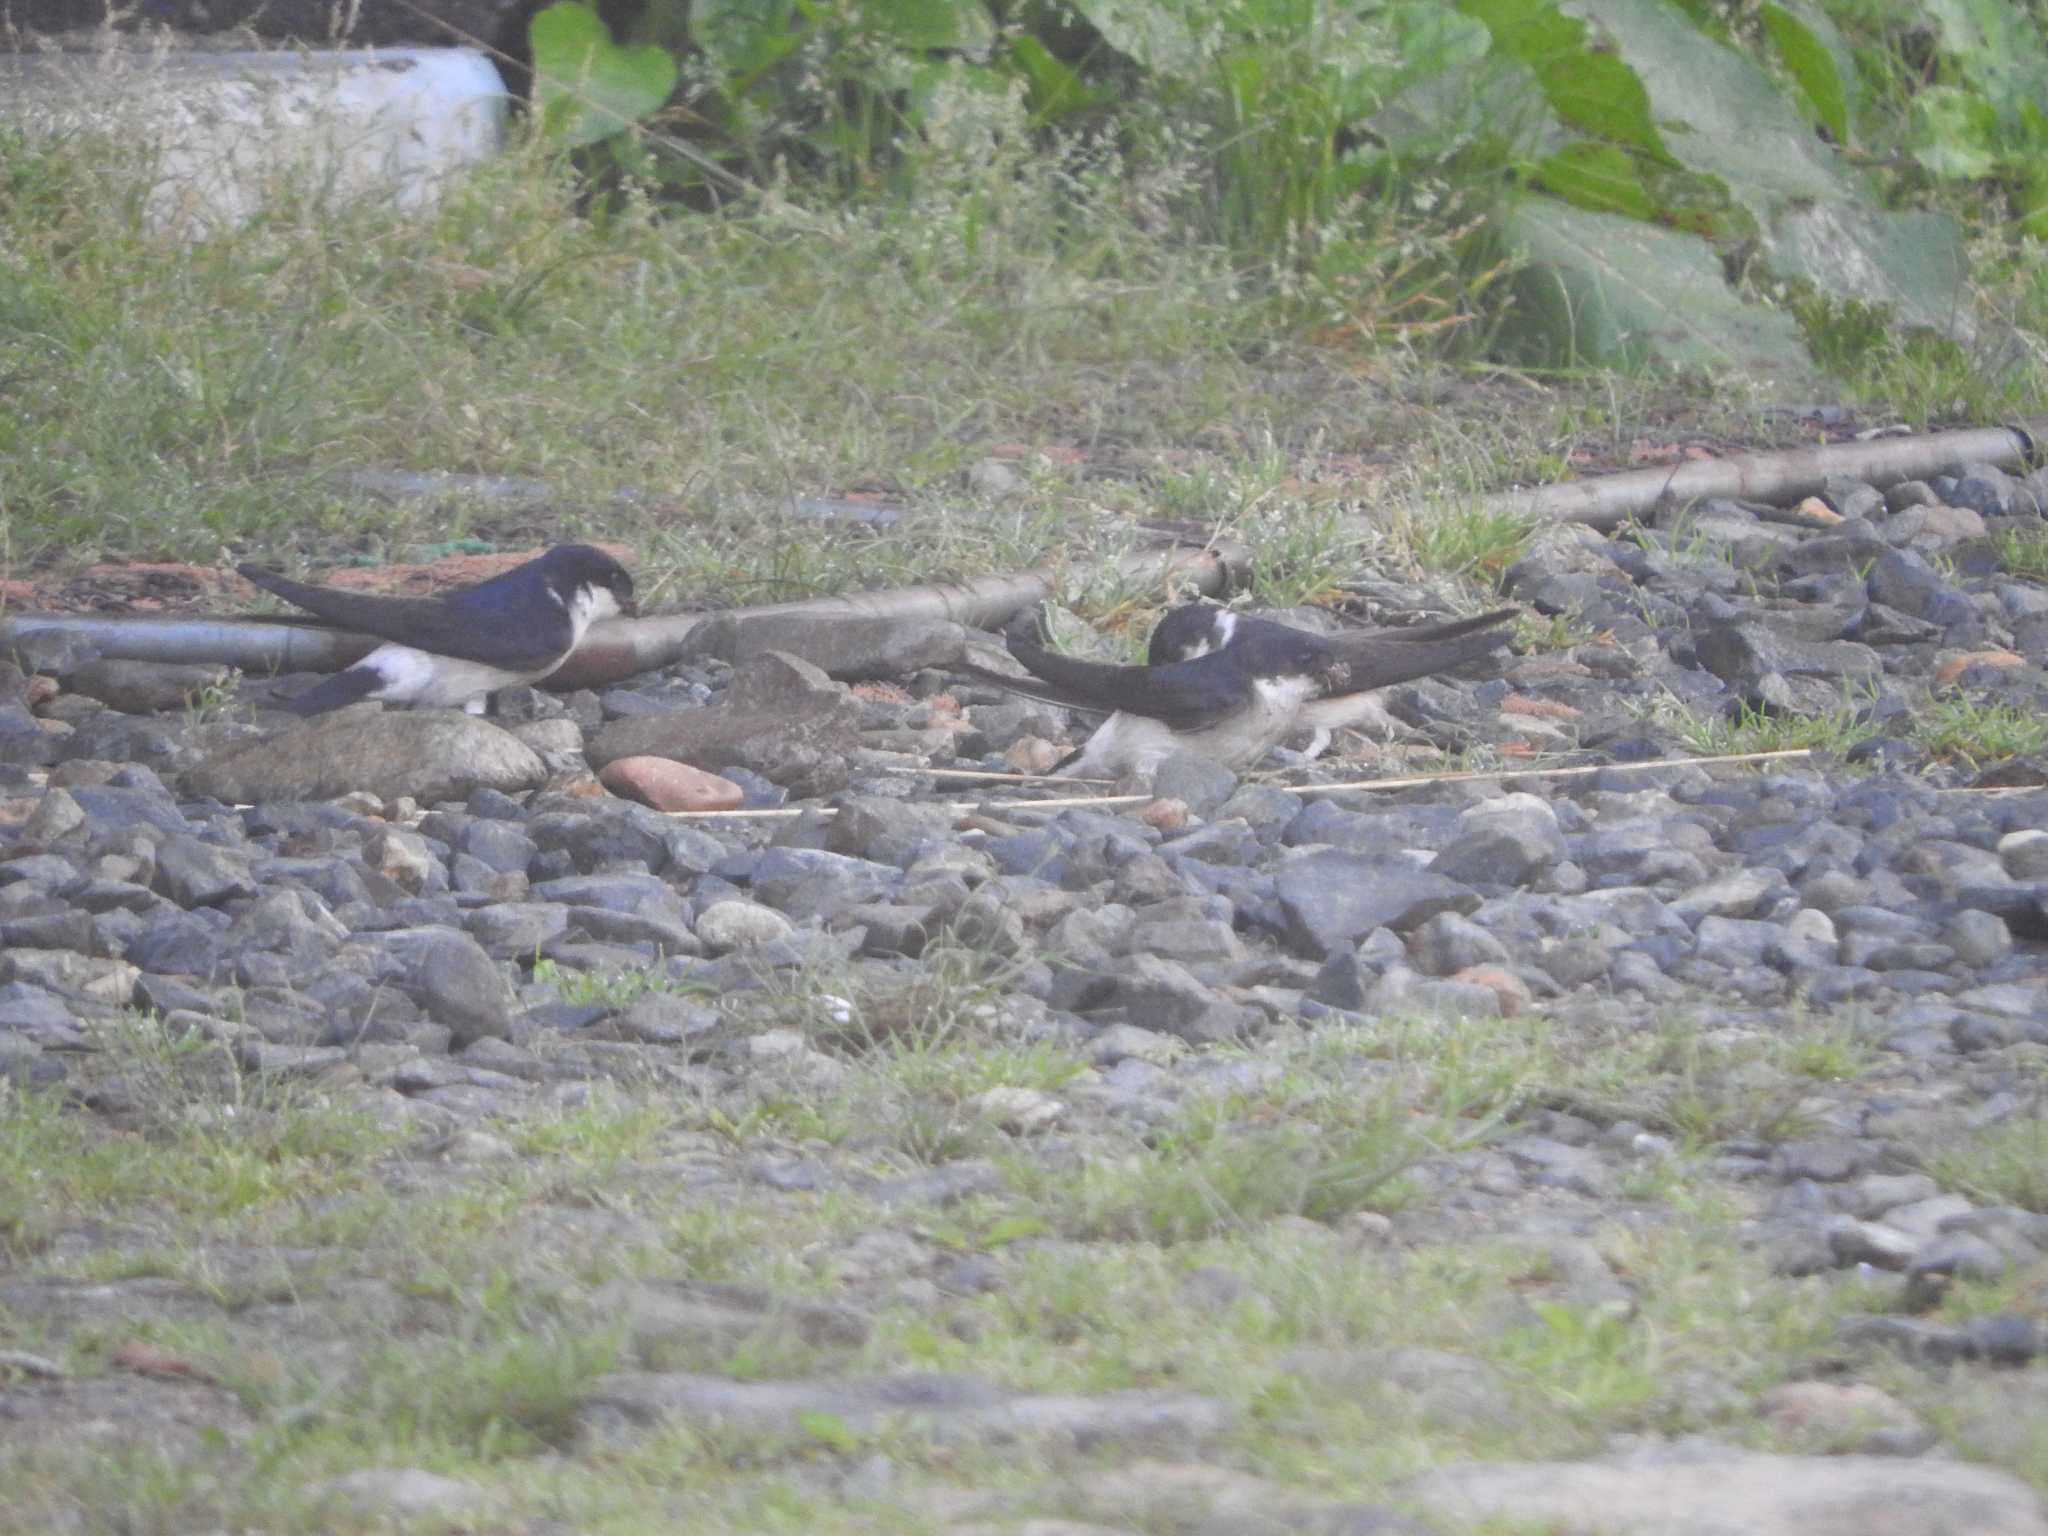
column 670, row 786
column 1512, row 991
column 1540, row 709
column 1168, row 815
column 1952, row 667
column 1032, row 754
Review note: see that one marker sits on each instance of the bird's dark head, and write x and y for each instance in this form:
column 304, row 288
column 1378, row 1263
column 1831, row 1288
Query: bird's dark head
column 588, row 581
column 1191, row 630
column 1274, row 651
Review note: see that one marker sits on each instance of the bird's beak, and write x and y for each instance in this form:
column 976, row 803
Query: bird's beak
column 1336, row 675
column 629, row 608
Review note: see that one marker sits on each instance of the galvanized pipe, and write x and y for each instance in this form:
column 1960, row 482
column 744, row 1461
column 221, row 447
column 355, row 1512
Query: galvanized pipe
column 613, row 650
column 1607, row 501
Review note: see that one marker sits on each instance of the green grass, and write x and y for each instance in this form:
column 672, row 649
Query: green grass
column 441, row 1313
column 1980, row 730
column 2024, row 554
column 1751, row 729
column 2004, row 1164
column 194, row 401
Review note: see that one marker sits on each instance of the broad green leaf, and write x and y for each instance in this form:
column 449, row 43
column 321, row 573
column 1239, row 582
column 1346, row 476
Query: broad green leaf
column 1604, row 289
column 1955, row 132
column 1432, row 38
column 1719, row 112
column 1529, row 30
column 1998, row 45
column 745, row 38
column 586, row 86
column 1012, row 1229
column 1910, row 263
column 1600, row 93
column 1812, row 67
column 1590, row 88
column 2030, row 200
column 1597, row 176
column 923, row 25
column 828, row 1429
column 1147, row 32
column 1054, row 89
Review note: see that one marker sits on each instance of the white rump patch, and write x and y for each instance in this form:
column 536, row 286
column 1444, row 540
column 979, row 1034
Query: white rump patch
column 407, row 676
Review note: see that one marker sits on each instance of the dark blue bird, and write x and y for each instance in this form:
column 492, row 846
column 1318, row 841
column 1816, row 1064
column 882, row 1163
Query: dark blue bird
column 459, row 649
column 1231, row 686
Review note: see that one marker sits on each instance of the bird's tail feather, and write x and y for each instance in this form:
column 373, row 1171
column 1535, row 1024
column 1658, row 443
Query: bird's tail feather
column 348, row 687
column 1381, row 657
column 1030, row 688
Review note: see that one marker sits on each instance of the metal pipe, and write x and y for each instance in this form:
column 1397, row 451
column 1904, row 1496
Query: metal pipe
column 613, row 650
column 1778, row 476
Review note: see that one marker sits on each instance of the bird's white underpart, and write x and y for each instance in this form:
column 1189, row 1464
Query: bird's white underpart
column 408, row 676
column 1138, row 744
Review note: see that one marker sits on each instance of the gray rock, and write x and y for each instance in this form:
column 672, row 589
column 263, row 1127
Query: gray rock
column 398, row 1493
column 673, row 1318
column 849, row 647
column 1933, row 1268
column 295, row 925
column 782, row 718
column 196, row 874
column 887, row 831
column 663, row 936
column 809, row 882
column 1190, row 940
column 429, row 754
column 665, row 1018
column 1868, row 1242
column 1903, row 579
column 946, row 1408
column 460, row 986
column 1827, row 1160
column 1195, row 779
column 512, row 930
column 1332, row 899
column 1401, row 990
column 176, row 943
column 1712, row 1492
column 639, row 894
column 143, row 687
column 1738, row 894
column 1509, row 841
column 1546, row 1161
column 56, row 817
column 1744, row 654
column 2003, row 1338
column 1161, row 996
column 892, row 928
column 728, row 925
column 1448, row 943
column 119, row 808
column 497, row 844
column 23, row 742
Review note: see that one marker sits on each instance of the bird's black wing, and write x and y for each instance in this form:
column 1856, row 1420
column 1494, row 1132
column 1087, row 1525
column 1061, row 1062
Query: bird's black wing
column 1378, row 657
column 429, row 623
column 1186, row 695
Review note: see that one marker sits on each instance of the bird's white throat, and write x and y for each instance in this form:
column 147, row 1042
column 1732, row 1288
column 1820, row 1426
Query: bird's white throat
column 587, row 606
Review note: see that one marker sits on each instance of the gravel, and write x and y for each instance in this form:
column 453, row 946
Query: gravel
column 411, row 934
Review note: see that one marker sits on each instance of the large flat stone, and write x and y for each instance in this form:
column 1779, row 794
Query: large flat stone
column 429, row 754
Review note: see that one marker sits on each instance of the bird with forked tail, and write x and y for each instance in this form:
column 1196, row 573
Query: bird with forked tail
column 1232, row 686
column 458, row 649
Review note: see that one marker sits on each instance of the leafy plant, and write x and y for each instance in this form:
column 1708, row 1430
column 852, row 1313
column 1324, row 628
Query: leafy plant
column 587, row 87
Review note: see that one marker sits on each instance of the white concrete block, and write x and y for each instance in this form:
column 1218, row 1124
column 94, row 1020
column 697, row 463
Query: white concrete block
column 218, row 135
